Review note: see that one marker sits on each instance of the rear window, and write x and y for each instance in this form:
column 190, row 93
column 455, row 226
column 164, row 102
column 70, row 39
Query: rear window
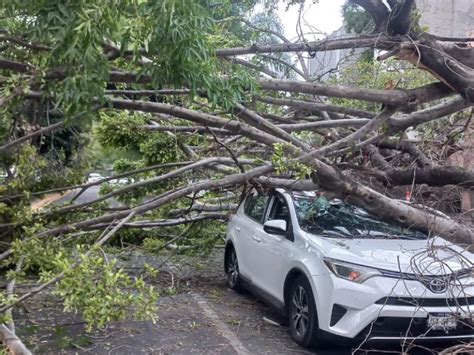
column 254, row 207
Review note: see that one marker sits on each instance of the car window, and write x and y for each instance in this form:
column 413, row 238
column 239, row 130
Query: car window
column 279, row 210
column 255, row 207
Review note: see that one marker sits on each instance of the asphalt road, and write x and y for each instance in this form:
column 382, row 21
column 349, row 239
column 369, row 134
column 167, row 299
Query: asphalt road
column 202, row 317
column 88, row 195
column 218, row 321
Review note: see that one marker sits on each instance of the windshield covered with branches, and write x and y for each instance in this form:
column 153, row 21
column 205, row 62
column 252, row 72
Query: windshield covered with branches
column 336, row 218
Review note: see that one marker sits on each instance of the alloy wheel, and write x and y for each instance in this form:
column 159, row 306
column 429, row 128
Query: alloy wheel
column 300, row 314
column 233, row 269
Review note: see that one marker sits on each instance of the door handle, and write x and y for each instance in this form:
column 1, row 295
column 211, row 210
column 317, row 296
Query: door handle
column 257, row 239
column 237, row 229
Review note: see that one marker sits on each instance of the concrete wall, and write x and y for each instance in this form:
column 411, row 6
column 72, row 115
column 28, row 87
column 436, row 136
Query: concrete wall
column 324, row 64
column 451, row 18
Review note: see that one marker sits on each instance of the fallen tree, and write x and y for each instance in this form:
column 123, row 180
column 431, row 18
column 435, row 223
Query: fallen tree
column 214, row 118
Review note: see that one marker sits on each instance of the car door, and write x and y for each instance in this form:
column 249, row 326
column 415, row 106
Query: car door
column 272, row 252
column 250, row 221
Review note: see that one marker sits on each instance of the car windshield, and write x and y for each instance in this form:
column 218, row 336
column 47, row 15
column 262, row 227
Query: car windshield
column 336, row 218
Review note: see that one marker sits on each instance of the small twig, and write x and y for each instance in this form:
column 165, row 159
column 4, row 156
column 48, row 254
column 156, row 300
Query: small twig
column 233, row 156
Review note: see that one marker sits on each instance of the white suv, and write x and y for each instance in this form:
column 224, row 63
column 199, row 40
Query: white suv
column 338, row 272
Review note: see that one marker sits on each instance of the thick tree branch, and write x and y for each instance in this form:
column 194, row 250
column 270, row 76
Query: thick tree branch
column 323, row 45
column 397, row 97
column 14, row 345
column 13, row 65
column 315, row 106
column 23, row 43
column 259, row 68
column 169, row 222
column 197, row 117
column 140, row 184
column 186, row 129
column 429, row 114
column 257, row 121
column 407, row 147
column 371, row 126
column 215, row 184
column 434, row 176
column 297, row 127
column 377, row 10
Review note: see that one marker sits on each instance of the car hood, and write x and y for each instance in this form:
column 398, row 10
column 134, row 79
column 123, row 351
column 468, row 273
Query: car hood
column 434, row 256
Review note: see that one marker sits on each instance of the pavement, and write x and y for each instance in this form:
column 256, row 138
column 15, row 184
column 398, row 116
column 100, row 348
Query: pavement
column 219, row 321
column 88, row 195
column 64, row 197
column 203, row 316
column 48, row 199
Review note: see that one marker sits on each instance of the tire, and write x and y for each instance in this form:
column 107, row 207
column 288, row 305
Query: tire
column 302, row 316
column 232, row 270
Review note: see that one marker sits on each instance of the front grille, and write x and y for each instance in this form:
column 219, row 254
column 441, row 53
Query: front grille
column 442, row 281
column 401, row 327
column 337, row 313
column 426, row 302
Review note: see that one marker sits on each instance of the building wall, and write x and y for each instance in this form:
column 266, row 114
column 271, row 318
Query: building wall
column 450, row 18
column 324, row 64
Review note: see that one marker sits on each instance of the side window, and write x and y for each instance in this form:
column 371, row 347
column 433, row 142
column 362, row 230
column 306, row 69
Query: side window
column 255, row 207
column 279, row 210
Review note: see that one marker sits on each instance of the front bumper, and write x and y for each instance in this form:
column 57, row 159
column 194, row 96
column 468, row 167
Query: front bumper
column 386, row 309
column 413, row 329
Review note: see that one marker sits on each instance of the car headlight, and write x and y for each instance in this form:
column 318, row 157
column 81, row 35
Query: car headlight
column 351, row 272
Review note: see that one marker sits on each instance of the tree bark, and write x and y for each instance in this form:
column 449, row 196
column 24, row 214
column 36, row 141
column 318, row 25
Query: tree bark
column 393, row 210
column 322, row 45
column 396, row 97
column 14, row 345
column 435, row 176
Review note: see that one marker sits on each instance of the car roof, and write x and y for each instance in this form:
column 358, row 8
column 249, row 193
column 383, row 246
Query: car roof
column 297, row 193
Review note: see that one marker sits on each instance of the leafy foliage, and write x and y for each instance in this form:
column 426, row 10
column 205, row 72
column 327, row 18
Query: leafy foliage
column 356, row 19
column 281, row 159
column 79, row 44
column 102, row 292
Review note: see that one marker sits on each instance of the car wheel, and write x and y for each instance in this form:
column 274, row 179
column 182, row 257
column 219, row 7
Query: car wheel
column 302, row 313
column 232, row 267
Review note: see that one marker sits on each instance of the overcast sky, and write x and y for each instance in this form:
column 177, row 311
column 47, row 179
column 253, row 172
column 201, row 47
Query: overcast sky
column 321, row 18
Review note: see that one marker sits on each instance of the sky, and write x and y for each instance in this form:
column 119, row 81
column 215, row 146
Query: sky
column 319, row 19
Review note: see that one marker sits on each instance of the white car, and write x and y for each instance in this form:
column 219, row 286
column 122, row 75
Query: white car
column 94, row 177
column 339, row 273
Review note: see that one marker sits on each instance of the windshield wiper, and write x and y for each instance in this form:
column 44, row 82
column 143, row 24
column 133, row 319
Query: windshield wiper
column 392, row 236
column 332, row 234
column 413, row 237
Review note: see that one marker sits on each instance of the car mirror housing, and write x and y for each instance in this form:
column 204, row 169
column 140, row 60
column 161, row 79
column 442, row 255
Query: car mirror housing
column 276, row 226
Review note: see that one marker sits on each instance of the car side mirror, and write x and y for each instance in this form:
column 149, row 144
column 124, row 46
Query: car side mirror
column 276, row 226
